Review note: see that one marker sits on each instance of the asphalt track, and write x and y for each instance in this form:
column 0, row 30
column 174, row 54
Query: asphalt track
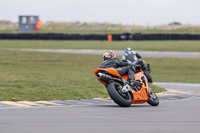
column 119, row 52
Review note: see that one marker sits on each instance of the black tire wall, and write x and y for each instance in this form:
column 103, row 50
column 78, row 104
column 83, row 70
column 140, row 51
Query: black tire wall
column 115, row 37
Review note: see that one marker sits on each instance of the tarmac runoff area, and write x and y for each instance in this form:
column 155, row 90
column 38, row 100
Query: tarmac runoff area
column 119, row 52
column 175, row 91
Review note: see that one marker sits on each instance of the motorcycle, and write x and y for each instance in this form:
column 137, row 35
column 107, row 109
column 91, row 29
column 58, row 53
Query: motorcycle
column 145, row 69
column 121, row 92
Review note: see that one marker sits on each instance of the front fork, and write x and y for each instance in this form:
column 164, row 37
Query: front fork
column 151, row 93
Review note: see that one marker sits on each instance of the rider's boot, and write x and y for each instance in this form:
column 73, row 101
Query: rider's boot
column 131, row 76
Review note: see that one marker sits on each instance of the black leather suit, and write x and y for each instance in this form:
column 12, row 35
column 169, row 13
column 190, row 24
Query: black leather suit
column 130, row 56
column 121, row 67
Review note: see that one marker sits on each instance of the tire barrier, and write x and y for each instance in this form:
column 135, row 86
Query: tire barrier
column 110, row 37
column 51, row 36
column 166, row 36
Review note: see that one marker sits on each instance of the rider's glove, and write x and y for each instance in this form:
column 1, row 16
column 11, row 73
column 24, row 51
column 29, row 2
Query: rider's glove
column 138, row 67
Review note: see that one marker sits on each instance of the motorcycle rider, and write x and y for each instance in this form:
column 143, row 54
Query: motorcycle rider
column 134, row 58
column 111, row 61
column 130, row 56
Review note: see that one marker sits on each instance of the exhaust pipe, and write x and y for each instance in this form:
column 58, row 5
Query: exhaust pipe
column 106, row 77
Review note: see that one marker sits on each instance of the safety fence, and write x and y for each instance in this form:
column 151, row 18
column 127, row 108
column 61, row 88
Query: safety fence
column 109, row 37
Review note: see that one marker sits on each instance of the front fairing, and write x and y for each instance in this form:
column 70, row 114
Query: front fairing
column 142, row 95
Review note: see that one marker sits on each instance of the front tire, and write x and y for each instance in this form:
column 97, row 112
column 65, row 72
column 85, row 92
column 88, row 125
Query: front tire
column 123, row 100
column 153, row 99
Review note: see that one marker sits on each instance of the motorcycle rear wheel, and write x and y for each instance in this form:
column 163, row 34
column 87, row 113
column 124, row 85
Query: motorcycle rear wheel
column 123, row 100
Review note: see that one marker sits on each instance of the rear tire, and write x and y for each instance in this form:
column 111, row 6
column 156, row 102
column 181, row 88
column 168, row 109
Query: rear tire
column 124, row 100
column 148, row 76
column 153, row 99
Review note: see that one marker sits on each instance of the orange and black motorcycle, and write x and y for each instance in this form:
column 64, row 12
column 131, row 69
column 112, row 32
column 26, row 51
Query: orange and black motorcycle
column 121, row 92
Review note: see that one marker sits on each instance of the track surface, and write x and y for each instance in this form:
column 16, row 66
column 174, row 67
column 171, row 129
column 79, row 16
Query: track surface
column 120, row 52
column 176, row 114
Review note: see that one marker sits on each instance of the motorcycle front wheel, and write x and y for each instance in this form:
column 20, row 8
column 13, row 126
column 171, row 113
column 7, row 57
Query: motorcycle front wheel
column 152, row 99
column 122, row 99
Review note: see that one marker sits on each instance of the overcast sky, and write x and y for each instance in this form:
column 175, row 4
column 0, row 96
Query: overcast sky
column 137, row 12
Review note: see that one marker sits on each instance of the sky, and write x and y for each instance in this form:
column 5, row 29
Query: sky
column 132, row 12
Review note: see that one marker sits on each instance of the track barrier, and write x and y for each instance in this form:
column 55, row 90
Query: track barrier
column 109, row 37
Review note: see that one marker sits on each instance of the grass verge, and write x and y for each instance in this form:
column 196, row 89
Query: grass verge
column 156, row 89
column 50, row 76
column 184, row 46
column 101, row 28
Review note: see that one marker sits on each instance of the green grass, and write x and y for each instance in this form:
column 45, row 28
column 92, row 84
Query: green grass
column 175, row 69
column 122, row 31
column 101, row 28
column 36, row 76
column 156, row 89
column 48, row 76
column 186, row 46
